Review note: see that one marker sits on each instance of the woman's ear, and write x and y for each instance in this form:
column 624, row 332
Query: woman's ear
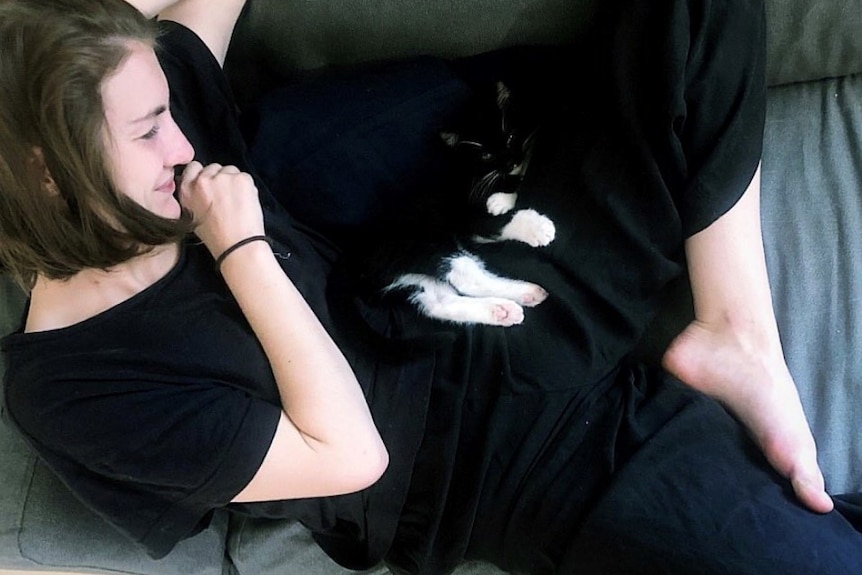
column 47, row 180
column 48, row 183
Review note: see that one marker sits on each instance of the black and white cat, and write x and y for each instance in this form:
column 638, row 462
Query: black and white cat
column 438, row 273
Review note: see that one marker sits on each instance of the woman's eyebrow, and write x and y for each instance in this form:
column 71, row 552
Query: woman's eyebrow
column 151, row 114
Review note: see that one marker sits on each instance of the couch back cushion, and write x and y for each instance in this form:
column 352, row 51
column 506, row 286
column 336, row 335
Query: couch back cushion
column 807, row 39
column 275, row 39
column 813, row 39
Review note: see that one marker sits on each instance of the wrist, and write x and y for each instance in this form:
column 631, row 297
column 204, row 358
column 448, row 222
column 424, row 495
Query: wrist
column 240, row 245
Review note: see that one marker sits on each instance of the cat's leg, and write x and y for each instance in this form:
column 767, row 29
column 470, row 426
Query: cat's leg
column 530, row 227
column 500, row 203
column 439, row 300
column 467, row 274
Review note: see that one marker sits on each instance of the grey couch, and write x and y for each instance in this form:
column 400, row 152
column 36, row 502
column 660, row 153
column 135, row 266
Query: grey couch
column 812, row 217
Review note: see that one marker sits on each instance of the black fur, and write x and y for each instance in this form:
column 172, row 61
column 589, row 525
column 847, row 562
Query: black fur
column 490, row 151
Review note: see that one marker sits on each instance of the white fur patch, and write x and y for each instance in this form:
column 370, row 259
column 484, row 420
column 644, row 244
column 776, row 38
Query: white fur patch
column 467, row 274
column 440, row 300
column 500, row 203
column 530, row 227
column 472, row 294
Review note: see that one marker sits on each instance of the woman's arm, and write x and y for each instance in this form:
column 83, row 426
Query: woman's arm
column 326, row 442
column 732, row 349
column 212, row 20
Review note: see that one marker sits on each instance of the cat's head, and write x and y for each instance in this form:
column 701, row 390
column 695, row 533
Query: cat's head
column 495, row 145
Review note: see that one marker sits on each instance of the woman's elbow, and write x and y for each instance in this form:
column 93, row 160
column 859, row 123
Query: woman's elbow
column 373, row 462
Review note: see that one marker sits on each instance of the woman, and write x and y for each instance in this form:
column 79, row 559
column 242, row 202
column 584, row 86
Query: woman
column 173, row 388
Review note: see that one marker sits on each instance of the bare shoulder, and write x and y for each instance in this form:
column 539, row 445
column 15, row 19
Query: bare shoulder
column 212, row 21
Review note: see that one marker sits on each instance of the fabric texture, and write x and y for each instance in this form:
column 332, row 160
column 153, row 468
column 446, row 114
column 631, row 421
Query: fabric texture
column 811, row 39
column 48, row 528
column 121, row 382
column 808, row 39
column 351, row 149
column 296, row 36
column 812, row 214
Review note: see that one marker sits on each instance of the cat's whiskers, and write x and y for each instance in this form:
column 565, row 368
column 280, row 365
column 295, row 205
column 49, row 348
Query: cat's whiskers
column 482, row 188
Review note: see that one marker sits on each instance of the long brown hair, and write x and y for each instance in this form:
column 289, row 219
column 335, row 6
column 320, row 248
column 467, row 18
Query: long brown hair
column 54, row 58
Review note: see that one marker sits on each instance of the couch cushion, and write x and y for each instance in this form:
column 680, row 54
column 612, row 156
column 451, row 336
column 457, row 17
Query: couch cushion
column 807, row 39
column 259, row 546
column 42, row 526
column 813, row 39
column 274, row 39
column 812, row 219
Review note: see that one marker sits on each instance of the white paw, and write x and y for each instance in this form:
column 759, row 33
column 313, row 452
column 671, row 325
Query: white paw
column 500, row 203
column 439, row 300
column 503, row 312
column 532, row 295
column 530, row 227
column 468, row 276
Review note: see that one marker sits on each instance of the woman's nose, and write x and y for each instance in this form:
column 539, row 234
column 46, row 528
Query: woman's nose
column 180, row 150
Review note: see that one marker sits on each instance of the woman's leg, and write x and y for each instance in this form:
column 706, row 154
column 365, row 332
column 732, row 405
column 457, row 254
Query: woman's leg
column 732, row 350
column 698, row 497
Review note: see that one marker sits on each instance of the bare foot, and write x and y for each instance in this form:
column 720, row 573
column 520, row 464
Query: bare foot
column 758, row 389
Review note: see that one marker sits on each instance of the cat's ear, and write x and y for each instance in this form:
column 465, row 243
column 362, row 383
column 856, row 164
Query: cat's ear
column 451, row 139
column 529, row 141
column 503, row 95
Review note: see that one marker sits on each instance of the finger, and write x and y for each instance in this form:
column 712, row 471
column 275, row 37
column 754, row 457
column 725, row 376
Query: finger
column 191, row 171
column 230, row 170
column 211, row 170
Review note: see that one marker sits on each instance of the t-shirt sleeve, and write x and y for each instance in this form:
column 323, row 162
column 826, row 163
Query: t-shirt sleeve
column 725, row 103
column 154, row 458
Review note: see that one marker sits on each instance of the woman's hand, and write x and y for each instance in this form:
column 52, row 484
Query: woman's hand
column 224, row 202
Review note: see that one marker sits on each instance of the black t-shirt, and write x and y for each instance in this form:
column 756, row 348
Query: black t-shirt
column 161, row 409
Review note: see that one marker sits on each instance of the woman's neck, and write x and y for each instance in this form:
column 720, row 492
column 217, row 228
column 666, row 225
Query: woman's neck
column 55, row 304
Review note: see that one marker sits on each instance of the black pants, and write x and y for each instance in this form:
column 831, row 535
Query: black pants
column 547, row 450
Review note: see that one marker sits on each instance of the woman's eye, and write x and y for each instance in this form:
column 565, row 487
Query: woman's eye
column 151, row 134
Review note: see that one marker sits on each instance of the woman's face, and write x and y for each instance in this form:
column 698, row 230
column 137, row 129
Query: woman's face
column 144, row 144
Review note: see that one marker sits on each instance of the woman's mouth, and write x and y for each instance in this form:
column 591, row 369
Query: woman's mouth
column 168, row 187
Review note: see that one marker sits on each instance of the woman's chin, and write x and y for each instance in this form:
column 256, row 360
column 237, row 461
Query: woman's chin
column 171, row 210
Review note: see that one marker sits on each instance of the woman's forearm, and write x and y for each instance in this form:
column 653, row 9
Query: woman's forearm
column 727, row 269
column 319, row 390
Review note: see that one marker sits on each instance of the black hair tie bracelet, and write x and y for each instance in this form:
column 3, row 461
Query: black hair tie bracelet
column 238, row 245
